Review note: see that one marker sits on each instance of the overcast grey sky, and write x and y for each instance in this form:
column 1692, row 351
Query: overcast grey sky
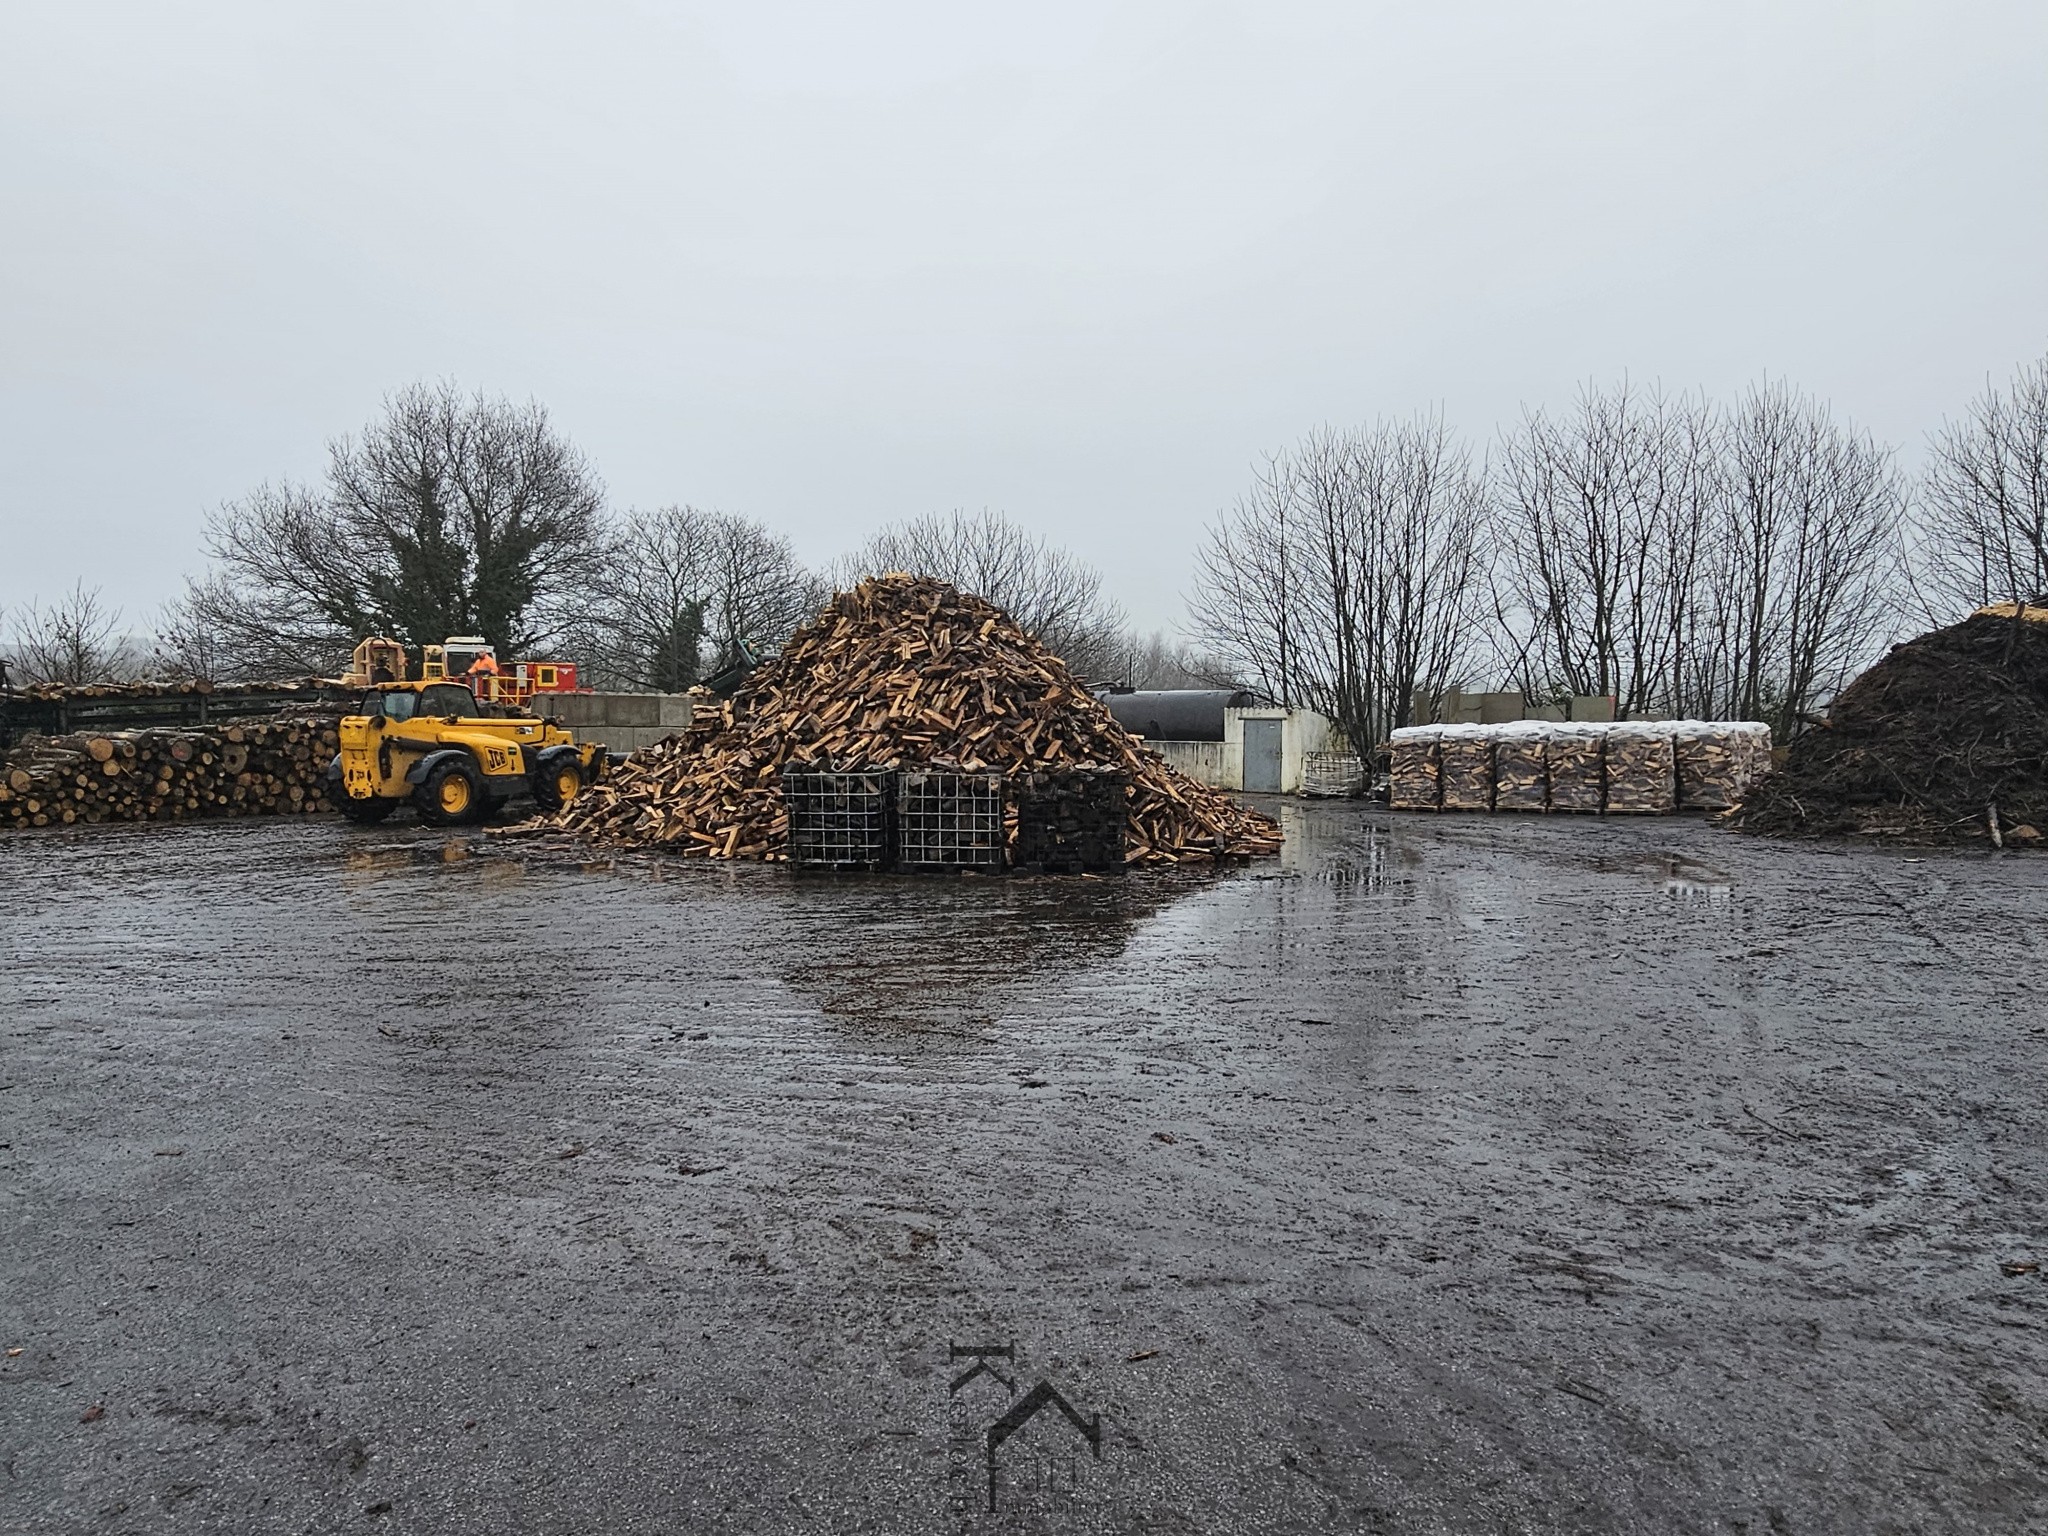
column 832, row 264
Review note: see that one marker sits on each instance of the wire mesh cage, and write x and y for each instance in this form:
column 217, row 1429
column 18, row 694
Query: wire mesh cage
column 837, row 820
column 1070, row 821
column 949, row 821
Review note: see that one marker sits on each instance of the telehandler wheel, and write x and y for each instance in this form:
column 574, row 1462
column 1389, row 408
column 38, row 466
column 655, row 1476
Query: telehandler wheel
column 557, row 784
column 452, row 795
column 365, row 813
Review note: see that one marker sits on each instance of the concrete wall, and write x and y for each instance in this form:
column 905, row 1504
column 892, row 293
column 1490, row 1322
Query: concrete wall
column 1206, row 762
column 624, row 722
column 1457, row 707
column 1220, row 764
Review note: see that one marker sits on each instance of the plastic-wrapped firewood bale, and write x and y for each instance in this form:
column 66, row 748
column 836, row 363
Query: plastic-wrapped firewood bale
column 1465, row 767
column 1412, row 779
column 1642, row 778
column 1752, row 755
column 1521, row 775
column 1707, row 760
column 1575, row 756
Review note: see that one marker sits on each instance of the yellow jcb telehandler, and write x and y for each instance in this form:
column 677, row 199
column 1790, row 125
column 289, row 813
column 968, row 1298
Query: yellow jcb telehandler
column 428, row 744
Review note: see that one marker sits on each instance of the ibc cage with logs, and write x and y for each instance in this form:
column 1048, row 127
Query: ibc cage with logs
column 838, row 820
column 949, row 821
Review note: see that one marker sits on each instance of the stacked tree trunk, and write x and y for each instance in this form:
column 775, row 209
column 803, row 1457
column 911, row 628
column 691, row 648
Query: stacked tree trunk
column 272, row 767
column 902, row 673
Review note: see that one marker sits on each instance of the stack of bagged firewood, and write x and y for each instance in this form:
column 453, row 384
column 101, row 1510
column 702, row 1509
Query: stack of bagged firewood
column 268, row 767
column 1642, row 773
column 1465, row 767
column 901, row 673
column 1575, row 758
column 1521, row 766
column 1414, row 768
column 1642, row 767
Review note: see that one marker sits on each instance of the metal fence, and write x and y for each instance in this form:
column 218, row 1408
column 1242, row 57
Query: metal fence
column 949, row 821
column 838, row 820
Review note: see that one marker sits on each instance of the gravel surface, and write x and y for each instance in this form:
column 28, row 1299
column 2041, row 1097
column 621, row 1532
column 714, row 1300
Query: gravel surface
column 1447, row 1174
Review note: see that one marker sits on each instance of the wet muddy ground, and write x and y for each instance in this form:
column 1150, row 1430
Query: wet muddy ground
column 1452, row 1174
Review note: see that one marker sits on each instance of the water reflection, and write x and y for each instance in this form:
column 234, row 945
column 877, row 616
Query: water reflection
column 939, row 956
column 1693, row 883
column 1331, row 842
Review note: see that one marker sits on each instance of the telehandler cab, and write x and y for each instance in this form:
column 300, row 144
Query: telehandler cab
column 428, row 743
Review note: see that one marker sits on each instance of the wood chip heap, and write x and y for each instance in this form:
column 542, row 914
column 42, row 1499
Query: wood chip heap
column 272, row 767
column 900, row 673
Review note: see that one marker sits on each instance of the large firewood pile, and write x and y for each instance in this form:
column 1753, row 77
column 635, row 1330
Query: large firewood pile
column 901, row 673
column 269, row 767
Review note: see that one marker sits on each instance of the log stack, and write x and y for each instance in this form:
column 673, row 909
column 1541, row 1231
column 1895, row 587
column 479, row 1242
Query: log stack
column 1717, row 763
column 901, row 673
column 271, row 767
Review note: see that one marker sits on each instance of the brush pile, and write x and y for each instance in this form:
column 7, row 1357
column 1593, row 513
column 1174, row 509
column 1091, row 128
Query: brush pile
column 1945, row 740
column 270, row 767
column 900, row 673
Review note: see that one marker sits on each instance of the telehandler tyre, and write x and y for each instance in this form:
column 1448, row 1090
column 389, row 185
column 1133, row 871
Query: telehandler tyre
column 452, row 795
column 557, row 784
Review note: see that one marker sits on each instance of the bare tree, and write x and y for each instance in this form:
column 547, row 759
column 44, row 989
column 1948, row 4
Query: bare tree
column 1050, row 592
column 449, row 515
column 1802, row 590
column 1344, row 579
column 1249, row 570
column 71, row 641
column 190, row 646
column 1984, row 497
column 682, row 589
column 1157, row 660
column 239, row 631
column 1601, row 524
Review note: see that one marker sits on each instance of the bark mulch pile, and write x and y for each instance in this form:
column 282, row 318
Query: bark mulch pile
column 1943, row 741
